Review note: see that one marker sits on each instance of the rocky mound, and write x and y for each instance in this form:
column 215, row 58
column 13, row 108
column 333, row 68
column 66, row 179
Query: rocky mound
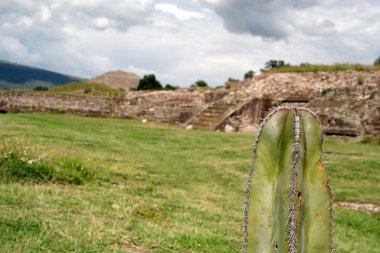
column 118, row 79
column 350, row 111
column 278, row 86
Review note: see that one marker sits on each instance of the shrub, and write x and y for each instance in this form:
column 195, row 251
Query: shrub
column 15, row 168
column 360, row 80
column 249, row 74
column 326, row 91
column 149, row 82
column 199, row 84
column 377, row 61
column 41, row 88
column 87, row 90
column 61, row 110
column 20, row 163
column 170, row 87
column 233, row 80
column 273, row 64
column 71, row 171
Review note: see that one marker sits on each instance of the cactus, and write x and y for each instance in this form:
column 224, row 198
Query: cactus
column 288, row 208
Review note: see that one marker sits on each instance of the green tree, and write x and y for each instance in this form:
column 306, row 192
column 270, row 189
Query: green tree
column 232, row 80
column 40, row 88
column 272, row 64
column 249, row 74
column 170, row 87
column 200, row 84
column 149, row 82
column 377, row 61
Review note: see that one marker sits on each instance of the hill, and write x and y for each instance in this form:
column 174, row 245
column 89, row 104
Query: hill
column 16, row 76
column 87, row 88
column 118, row 79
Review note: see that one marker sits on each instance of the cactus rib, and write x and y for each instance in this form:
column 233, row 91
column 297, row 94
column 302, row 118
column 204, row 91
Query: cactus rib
column 288, row 206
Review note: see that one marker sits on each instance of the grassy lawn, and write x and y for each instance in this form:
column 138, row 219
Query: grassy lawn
column 325, row 68
column 153, row 188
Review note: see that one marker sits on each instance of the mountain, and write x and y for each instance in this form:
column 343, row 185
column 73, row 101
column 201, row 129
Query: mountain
column 16, row 76
column 118, row 79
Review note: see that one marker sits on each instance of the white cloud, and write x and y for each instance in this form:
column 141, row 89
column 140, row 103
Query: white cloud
column 139, row 71
column 179, row 13
column 12, row 48
column 182, row 41
column 271, row 19
column 103, row 23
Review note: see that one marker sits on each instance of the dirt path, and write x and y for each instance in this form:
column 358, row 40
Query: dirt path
column 363, row 207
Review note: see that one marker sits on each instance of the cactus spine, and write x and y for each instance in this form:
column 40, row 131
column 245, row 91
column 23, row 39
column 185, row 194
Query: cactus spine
column 288, row 208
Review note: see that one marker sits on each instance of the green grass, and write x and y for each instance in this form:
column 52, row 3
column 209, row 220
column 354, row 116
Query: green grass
column 162, row 189
column 88, row 88
column 325, row 68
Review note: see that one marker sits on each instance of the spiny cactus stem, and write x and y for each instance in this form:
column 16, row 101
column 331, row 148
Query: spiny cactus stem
column 293, row 186
column 246, row 202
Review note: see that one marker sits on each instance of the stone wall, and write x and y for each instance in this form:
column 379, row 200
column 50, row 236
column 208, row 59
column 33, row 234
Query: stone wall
column 347, row 102
column 350, row 111
column 173, row 107
column 279, row 86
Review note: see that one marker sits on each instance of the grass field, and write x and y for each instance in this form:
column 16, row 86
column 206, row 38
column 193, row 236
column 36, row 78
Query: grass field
column 325, row 68
column 88, row 89
column 153, row 188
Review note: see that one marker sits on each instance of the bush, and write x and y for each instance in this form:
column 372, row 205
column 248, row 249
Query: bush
column 273, row 64
column 87, row 90
column 377, row 61
column 233, row 80
column 61, row 110
column 326, row 91
column 41, row 88
column 149, row 82
column 199, row 84
column 20, row 163
column 170, row 87
column 360, row 80
column 249, row 74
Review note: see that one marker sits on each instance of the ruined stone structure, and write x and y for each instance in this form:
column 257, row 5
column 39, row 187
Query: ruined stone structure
column 348, row 102
column 118, row 79
column 336, row 96
column 173, row 107
column 350, row 111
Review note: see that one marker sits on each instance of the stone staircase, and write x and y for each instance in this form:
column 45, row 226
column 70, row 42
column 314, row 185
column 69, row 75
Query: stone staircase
column 213, row 115
column 296, row 100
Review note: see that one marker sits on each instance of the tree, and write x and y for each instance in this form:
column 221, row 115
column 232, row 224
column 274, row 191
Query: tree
column 149, row 82
column 249, row 74
column 271, row 64
column 377, row 61
column 232, row 80
column 200, row 84
column 170, row 87
column 40, row 88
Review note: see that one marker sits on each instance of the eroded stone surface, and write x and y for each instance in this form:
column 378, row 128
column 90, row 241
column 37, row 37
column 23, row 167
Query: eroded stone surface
column 351, row 111
column 172, row 107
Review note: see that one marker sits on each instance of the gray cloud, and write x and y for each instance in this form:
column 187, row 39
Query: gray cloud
column 271, row 19
column 182, row 41
column 47, row 33
column 96, row 14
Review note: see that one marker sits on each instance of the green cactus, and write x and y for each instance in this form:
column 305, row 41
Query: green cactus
column 288, row 208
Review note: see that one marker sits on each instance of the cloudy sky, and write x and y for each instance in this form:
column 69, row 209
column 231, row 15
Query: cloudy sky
column 183, row 41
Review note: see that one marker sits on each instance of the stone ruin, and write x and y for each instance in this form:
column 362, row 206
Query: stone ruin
column 346, row 105
column 347, row 102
